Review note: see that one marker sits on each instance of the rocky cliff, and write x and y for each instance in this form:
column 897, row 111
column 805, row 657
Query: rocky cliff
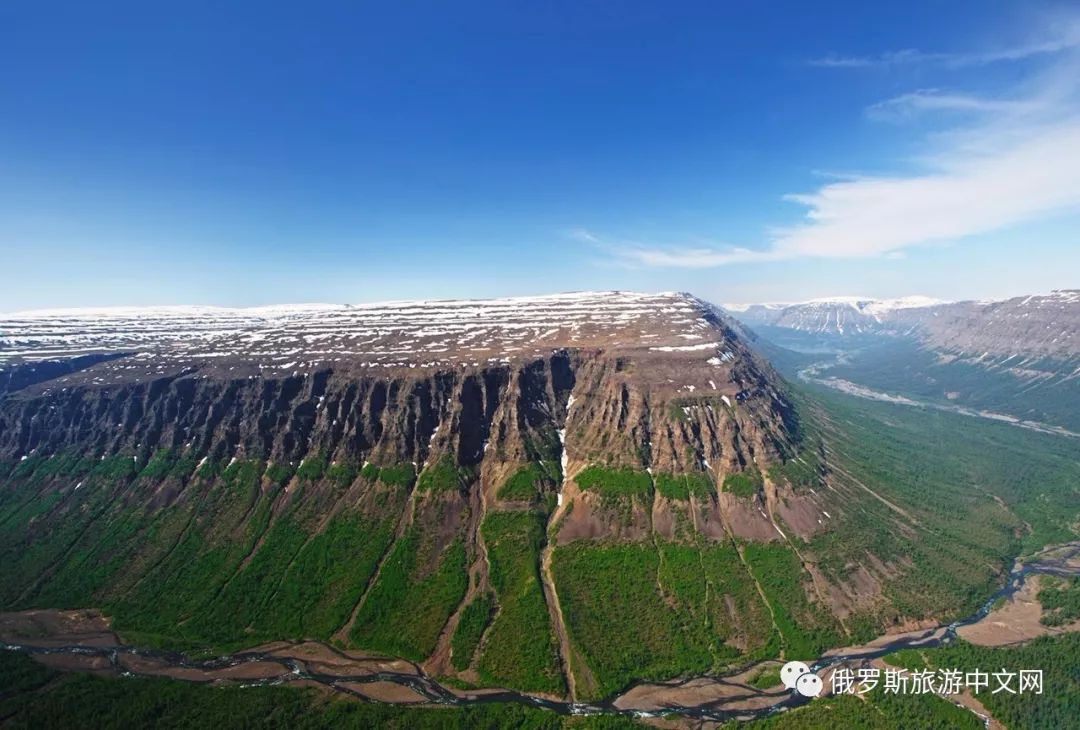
column 658, row 382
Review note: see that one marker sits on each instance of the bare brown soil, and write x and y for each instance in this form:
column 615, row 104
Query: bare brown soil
column 326, row 660
column 1016, row 621
column 385, row 692
column 747, row 520
column 722, row 694
column 917, row 637
column 248, row 671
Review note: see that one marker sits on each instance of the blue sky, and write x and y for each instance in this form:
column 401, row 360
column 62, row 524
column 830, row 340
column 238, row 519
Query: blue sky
column 252, row 153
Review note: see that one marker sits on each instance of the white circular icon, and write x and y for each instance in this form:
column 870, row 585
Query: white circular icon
column 809, row 685
column 791, row 672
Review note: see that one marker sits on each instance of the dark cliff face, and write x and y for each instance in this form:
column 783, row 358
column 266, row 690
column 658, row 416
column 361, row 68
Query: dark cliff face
column 625, row 413
column 670, row 386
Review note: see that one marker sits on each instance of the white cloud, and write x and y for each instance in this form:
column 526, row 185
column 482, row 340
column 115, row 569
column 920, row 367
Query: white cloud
column 884, row 215
column 914, row 103
column 580, row 234
column 688, row 258
column 695, row 257
column 1063, row 34
column 1017, row 158
column 974, row 195
column 891, row 58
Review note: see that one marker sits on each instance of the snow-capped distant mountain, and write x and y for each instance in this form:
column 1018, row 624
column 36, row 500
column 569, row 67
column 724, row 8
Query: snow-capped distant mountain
column 1036, row 325
column 832, row 315
column 1018, row 356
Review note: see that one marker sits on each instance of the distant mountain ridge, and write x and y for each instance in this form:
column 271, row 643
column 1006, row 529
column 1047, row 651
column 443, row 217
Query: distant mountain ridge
column 1037, row 325
column 835, row 315
column 1017, row 356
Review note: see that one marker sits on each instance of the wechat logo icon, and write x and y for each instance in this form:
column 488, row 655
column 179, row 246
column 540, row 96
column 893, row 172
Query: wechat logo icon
column 797, row 676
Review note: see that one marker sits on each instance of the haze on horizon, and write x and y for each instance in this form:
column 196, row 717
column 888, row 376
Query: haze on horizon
column 261, row 154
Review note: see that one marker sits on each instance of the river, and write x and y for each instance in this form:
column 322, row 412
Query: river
column 733, row 699
column 812, row 374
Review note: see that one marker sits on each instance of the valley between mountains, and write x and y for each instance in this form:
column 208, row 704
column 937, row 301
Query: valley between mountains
column 557, row 495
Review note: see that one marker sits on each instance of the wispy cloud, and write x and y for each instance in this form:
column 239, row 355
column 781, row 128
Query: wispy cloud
column 906, row 106
column 964, row 197
column 1009, row 160
column 635, row 254
column 1063, row 35
column 874, row 216
column 891, row 58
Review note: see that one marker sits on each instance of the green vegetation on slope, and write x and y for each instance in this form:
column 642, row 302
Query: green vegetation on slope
column 617, row 617
column 620, row 490
column 397, row 475
column 1057, row 656
column 475, row 617
column 312, row 468
column 54, row 516
column 715, row 603
column 525, row 484
column 520, row 650
column 635, row 611
column 443, row 476
column 737, row 615
column 615, row 483
column 744, row 483
column 1060, row 599
column 412, row 599
column 324, row 582
column 806, row 628
column 946, row 500
column 215, row 569
column 682, row 486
